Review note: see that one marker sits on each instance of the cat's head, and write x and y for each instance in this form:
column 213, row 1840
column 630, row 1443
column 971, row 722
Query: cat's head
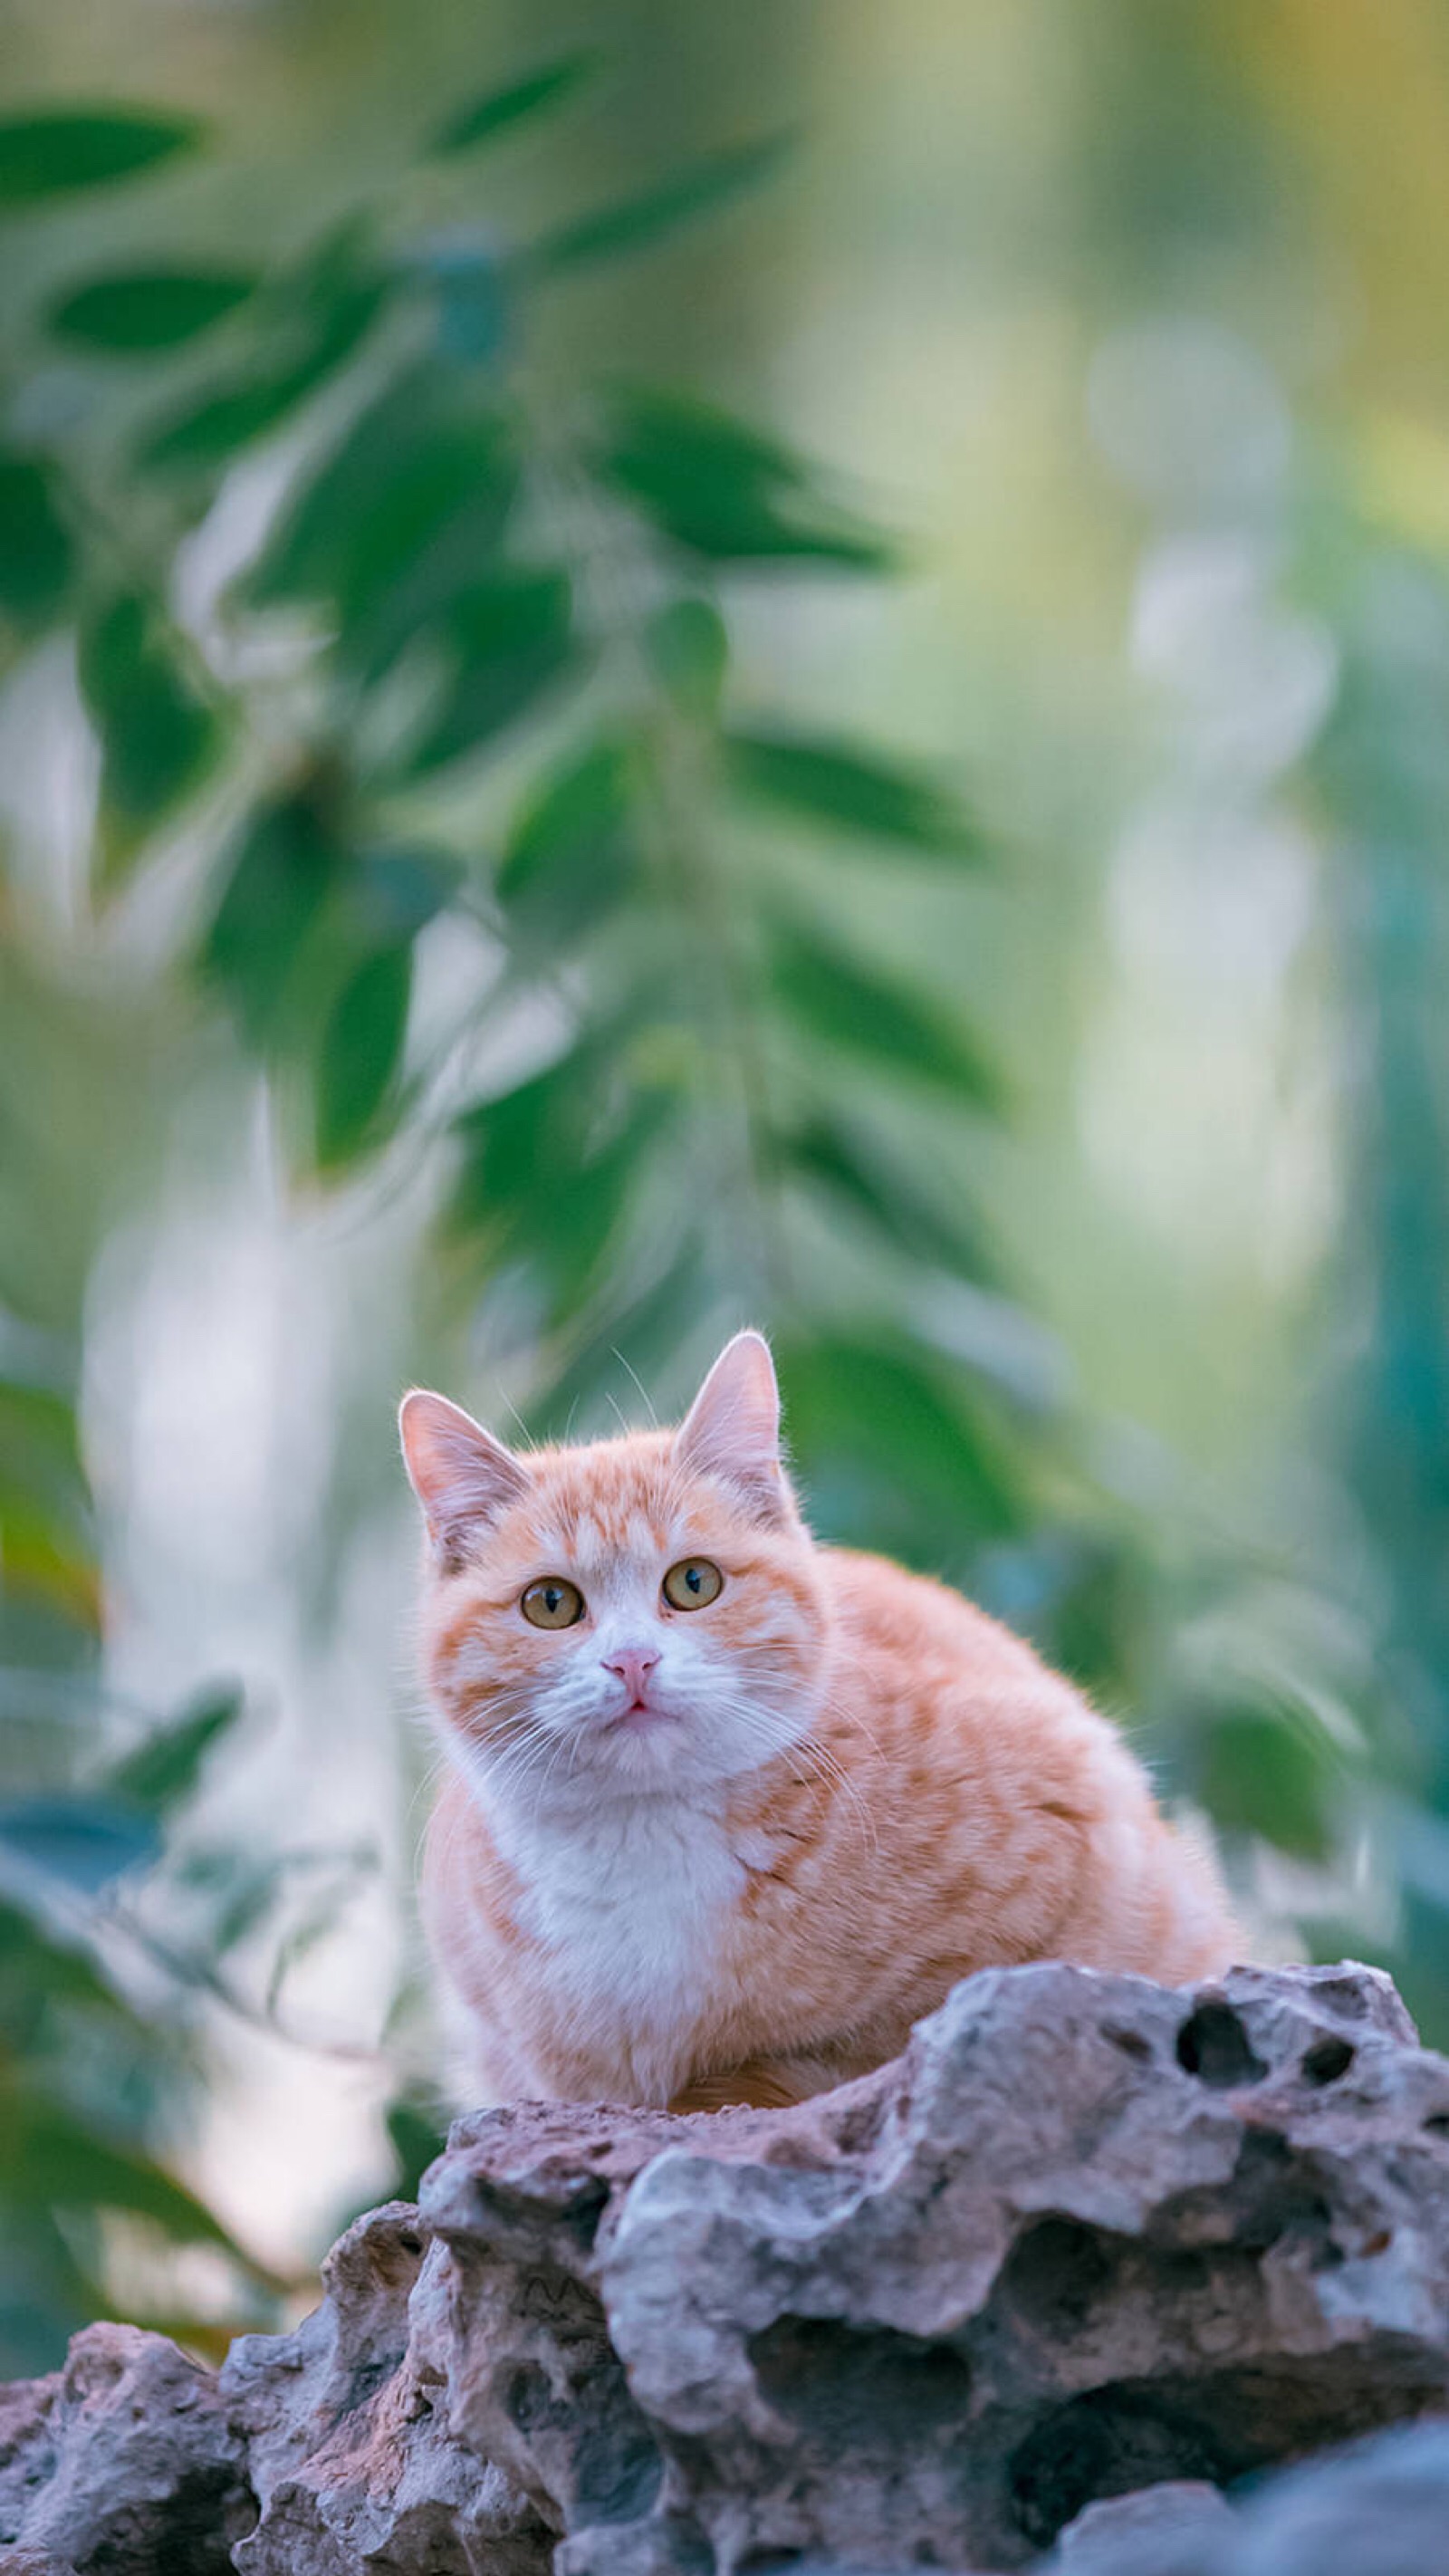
column 640, row 1616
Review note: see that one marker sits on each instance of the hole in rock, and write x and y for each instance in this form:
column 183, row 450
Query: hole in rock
column 866, row 2387
column 688, row 2551
column 1213, row 2045
column 364, row 2380
column 1221, row 2425
column 205, row 2512
column 617, row 2472
column 1131, row 2043
column 1054, row 2274
column 1107, row 2443
column 584, row 2213
column 858, row 2128
column 1274, row 2194
column 1326, row 2060
column 528, row 2398
column 1437, row 2124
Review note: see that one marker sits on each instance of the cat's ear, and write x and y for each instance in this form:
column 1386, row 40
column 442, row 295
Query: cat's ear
column 461, row 1475
column 732, row 1429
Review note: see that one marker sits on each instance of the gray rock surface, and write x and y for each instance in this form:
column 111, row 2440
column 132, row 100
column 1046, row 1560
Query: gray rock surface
column 345, row 2436
column 1087, row 2239
column 123, row 2464
column 1174, row 2518
column 1087, row 2235
column 1380, row 2508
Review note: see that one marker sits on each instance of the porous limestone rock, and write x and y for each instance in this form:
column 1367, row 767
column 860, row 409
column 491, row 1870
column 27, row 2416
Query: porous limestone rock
column 1087, row 2237
column 122, row 2464
column 345, row 2436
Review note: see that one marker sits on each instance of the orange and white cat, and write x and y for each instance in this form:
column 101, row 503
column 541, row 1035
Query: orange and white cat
column 727, row 1811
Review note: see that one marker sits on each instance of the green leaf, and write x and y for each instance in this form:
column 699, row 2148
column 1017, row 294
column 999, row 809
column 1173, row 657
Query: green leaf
column 393, row 894
column 515, row 1145
column 832, row 997
column 722, row 489
column 405, row 513
column 360, row 1053
column 878, row 1184
column 40, row 1451
column 891, row 1454
column 47, row 1568
column 509, row 641
column 638, row 222
column 1261, row 1773
column 56, row 1965
column 832, row 783
column 551, row 1169
column 261, row 944
column 46, row 155
column 37, row 557
column 499, row 110
column 84, row 1843
column 58, row 2163
column 472, row 286
column 163, row 1770
column 641, row 1337
column 576, row 1229
column 158, row 735
column 570, row 851
column 416, row 2141
column 147, row 309
column 688, row 649
column 334, row 299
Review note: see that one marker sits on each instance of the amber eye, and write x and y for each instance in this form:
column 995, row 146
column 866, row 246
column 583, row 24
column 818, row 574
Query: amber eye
column 552, row 1603
column 689, row 1585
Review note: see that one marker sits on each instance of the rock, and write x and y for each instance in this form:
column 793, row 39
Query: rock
column 1379, row 2508
column 1172, row 2520
column 1087, row 2235
column 123, row 2464
column 1087, row 2239
column 345, row 2434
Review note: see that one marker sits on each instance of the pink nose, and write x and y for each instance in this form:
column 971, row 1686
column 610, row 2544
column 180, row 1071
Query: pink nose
column 633, row 1664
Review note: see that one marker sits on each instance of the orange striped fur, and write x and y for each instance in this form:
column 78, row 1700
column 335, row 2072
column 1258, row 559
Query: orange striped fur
column 730, row 1853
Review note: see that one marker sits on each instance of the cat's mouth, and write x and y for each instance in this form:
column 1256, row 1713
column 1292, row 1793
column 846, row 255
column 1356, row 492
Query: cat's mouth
column 638, row 1717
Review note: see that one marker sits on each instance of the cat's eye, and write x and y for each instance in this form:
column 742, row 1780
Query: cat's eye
column 693, row 1582
column 552, row 1603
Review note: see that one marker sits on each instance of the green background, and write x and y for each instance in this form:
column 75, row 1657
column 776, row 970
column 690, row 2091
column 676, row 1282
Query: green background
column 660, row 668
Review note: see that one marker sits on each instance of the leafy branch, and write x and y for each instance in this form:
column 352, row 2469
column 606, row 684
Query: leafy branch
column 477, row 566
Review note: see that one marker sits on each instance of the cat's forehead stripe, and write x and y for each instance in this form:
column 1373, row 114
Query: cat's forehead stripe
column 610, row 1506
column 594, row 1537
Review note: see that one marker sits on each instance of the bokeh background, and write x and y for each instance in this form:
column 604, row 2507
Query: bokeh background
column 660, row 666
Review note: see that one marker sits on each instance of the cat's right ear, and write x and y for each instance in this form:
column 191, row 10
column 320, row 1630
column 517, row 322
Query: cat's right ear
column 732, row 1429
column 462, row 1476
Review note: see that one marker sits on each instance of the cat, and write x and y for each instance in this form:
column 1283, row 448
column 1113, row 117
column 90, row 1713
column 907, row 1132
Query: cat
column 727, row 1811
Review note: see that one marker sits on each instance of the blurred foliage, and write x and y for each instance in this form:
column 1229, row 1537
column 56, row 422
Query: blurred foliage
column 497, row 867
column 457, row 569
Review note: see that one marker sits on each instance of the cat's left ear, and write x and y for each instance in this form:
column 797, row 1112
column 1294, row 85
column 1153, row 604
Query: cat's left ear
column 461, row 1475
column 732, row 1429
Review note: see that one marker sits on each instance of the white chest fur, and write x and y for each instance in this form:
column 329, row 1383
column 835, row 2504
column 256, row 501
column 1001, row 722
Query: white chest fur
column 628, row 1905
